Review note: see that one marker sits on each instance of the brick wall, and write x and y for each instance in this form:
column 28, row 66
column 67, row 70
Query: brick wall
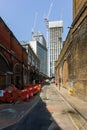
column 15, row 56
column 8, row 40
column 77, row 5
column 75, row 51
column 80, row 59
column 4, row 35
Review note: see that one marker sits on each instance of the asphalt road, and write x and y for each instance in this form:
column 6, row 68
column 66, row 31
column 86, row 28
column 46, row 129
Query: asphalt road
column 51, row 112
column 38, row 119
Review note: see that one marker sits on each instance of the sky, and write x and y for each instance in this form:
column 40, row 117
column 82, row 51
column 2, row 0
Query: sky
column 21, row 16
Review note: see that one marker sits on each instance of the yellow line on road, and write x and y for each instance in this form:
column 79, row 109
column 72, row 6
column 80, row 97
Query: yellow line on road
column 77, row 128
column 75, row 123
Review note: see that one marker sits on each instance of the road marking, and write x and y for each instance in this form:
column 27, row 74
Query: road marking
column 75, row 123
column 77, row 128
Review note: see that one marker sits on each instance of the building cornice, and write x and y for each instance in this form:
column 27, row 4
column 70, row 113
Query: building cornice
column 79, row 14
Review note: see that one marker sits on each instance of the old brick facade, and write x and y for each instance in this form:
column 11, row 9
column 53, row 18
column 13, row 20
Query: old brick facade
column 13, row 58
column 77, row 5
column 15, row 65
column 73, row 57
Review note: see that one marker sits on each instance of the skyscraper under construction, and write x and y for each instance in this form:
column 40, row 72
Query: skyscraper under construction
column 56, row 43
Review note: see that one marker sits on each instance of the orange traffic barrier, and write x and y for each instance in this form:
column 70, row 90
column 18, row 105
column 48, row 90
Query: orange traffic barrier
column 27, row 96
column 39, row 88
column 7, row 95
column 22, row 95
column 30, row 91
column 15, row 95
column 12, row 94
column 35, row 87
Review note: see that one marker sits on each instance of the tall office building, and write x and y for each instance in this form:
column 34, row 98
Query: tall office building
column 40, row 38
column 41, row 52
column 55, row 41
column 38, row 45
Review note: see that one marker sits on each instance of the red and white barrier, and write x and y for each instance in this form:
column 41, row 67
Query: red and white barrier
column 14, row 94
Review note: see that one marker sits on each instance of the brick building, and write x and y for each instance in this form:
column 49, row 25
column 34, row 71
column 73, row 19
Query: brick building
column 71, row 67
column 15, row 65
column 13, row 58
column 33, row 62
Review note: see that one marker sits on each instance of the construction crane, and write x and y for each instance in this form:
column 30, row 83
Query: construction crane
column 50, row 9
column 47, row 35
column 35, row 20
column 49, row 12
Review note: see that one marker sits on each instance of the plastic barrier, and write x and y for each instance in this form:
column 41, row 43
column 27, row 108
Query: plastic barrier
column 22, row 95
column 27, row 96
column 30, row 91
column 39, row 87
column 12, row 94
column 7, row 96
column 15, row 95
column 35, row 87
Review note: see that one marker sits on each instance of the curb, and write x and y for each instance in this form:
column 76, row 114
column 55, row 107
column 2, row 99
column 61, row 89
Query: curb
column 73, row 106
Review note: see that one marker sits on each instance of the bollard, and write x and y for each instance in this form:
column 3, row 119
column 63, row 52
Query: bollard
column 71, row 91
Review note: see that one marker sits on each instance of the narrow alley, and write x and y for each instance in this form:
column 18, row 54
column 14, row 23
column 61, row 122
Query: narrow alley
column 51, row 112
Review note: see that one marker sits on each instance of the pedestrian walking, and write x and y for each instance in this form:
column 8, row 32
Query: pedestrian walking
column 56, row 82
column 59, row 83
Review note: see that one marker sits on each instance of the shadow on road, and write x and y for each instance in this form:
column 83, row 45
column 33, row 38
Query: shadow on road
column 39, row 118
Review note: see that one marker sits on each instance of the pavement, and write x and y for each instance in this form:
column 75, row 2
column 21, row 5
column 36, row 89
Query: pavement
column 12, row 113
column 78, row 104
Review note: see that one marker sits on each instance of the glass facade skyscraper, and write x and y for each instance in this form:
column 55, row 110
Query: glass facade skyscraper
column 56, row 43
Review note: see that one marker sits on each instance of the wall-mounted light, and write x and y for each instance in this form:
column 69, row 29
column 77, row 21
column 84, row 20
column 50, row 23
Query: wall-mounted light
column 71, row 27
